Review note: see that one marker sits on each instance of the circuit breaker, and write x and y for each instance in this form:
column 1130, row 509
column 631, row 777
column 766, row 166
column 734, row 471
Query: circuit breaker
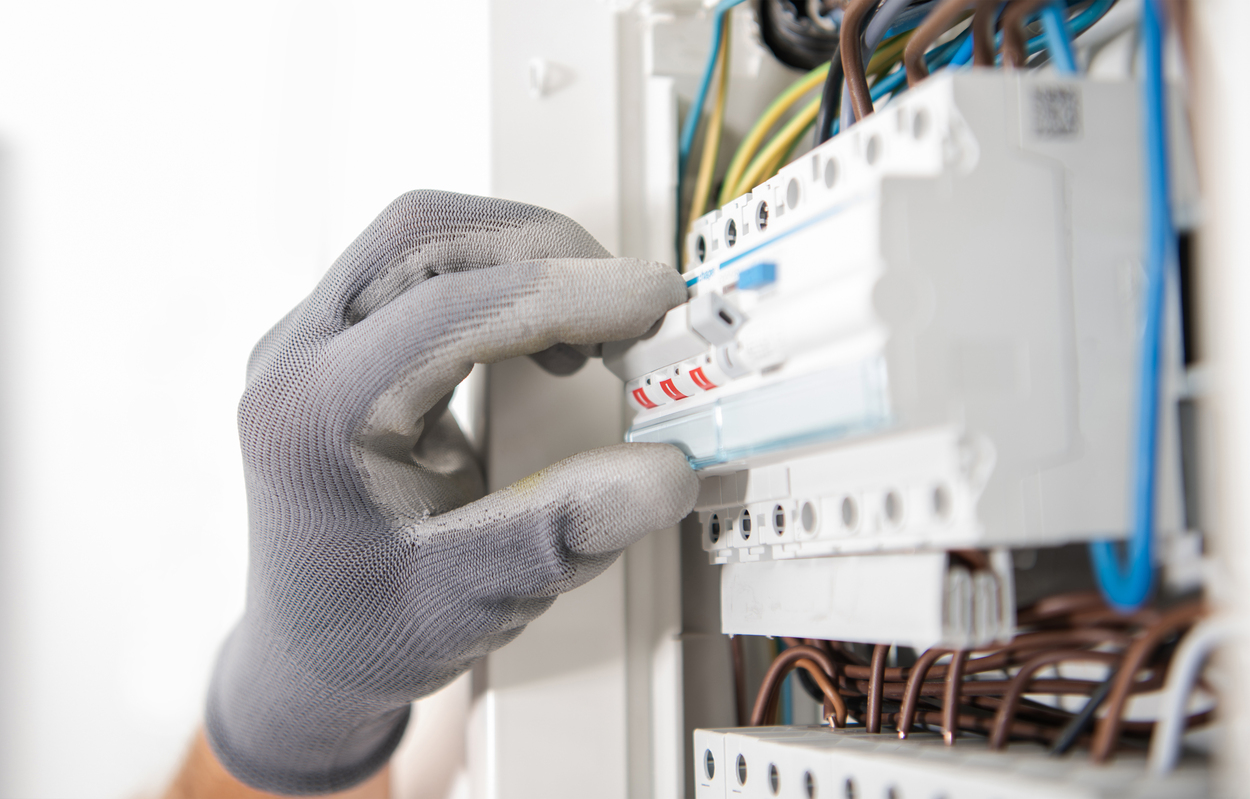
column 919, row 337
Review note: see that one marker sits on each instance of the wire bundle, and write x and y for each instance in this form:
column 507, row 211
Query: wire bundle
column 877, row 50
column 986, row 691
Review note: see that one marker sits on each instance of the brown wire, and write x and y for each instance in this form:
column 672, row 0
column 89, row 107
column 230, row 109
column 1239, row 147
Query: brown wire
column 897, row 690
column 875, row 686
column 983, row 54
column 829, row 709
column 1060, row 605
column 1108, row 617
column 1108, row 729
column 974, row 560
column 852, row 56
column 935, row 24
column 1071, row 625
column 1004, row 655
column 765, row 705
column 1026, row 708
column 950, row 706
column 834, row 710
column 1015, row 43
column 974, row 723
column 915, row 681
column 740, row 679
column 849, row 655
column 1002, row 719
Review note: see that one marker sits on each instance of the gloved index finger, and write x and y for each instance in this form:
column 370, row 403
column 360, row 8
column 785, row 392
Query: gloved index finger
column 430, row 337
column 424, row 234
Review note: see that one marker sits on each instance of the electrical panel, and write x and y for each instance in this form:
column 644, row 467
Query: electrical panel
column 920, row 336
column 909, row 375
column 913, row 375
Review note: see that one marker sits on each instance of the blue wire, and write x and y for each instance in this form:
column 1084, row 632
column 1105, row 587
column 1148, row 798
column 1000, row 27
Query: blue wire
column 686, row 143
column 936, row 59
column 1074, row 27
column 963, row 55
column 1092, row 13
column 688, row 128
column 958, row 51
column 1058, row 43
column 1127, row 591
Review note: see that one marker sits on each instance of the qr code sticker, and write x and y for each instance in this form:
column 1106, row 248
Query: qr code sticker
column 1056, row 111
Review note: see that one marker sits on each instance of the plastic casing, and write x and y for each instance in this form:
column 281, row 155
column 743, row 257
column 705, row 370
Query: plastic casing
column 937, row 342
column 854, row 763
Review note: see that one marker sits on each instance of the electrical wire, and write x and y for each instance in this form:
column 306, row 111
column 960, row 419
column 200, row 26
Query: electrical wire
column 950, row 704
column 1015, row 45
column 711, row 135
column 935, row 59
column 827, row 112
column 876, row 686
column 1075, row 26
column 888, row 55
column 798, row 142
column 1058, row 43
column 855, row 21
column 885, row 17
column 740, row 679
column 1069, row 734
column 817, row 663
column 771, row 154
column 1019, row 683
column 910, row 18
column 1135, row 658
column 1165, row 743
column 954, row 53
column 796, row 34
column 775, row 111
column 938, row 22
column 686, row 142
column 915, row 682
column 1128, row 590
column 1139, row 650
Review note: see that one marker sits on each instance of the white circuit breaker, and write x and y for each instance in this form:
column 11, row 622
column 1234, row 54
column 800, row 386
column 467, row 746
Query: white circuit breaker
column 816, row 762
column 917, row 341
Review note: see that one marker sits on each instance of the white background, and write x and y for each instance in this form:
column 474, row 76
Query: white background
column 173, row 178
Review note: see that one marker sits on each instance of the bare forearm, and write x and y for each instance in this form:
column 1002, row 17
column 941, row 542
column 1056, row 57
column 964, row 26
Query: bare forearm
column 202, row 777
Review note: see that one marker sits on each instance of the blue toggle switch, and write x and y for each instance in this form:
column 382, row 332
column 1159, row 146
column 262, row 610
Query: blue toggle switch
column 758, row 276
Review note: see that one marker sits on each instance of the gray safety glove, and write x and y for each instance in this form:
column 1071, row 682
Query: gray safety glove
column 377, row 574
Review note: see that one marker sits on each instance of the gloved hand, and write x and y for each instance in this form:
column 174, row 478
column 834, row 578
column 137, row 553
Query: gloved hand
column 374, row 575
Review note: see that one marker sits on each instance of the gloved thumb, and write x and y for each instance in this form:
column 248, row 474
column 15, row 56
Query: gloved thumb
column 559, row 527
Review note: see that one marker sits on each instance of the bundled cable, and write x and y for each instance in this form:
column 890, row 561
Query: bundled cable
column 797, row 33
column 986, row 691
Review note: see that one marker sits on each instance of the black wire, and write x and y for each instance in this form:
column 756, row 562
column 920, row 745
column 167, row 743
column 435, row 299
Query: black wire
column 830, row 99
column 831, row 95
column 810, row 686
column 1081, row 720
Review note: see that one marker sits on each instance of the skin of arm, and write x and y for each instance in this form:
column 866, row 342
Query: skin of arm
column 202, row 777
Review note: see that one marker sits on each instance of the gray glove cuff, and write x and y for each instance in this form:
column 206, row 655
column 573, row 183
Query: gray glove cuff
column 258, row 716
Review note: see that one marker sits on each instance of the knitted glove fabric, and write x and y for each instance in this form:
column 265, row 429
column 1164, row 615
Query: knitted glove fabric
column 377, row 573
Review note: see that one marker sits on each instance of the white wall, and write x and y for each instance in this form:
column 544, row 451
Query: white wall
column 173, row 177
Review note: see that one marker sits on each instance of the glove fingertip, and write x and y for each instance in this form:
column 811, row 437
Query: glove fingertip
column 633, row 489
column 666, row 483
